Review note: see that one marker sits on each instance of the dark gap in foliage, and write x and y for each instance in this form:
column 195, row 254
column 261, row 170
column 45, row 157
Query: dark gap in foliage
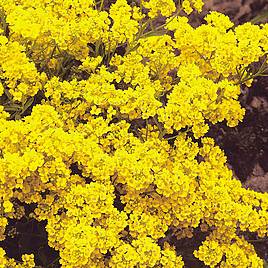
column 114, row 121
column 76, row 171
column 135, row 126
column 117, row 201
column 29, row 236
column 260, row 244
column 45, row 193
column 121, row 50
column 186, row 246
column 121, row 85
column 244, row 145
column 125, row 235
column 164, row 98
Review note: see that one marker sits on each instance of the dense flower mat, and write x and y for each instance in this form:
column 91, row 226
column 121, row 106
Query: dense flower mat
column 126, row 92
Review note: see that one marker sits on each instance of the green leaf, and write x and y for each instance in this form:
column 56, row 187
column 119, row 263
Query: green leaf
column 28, row 103
column 260, row 18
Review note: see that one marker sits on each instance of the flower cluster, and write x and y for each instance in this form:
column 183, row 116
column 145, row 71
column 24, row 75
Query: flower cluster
column 109, row 142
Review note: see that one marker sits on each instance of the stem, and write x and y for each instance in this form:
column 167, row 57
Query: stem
column 162, row 132
column 163, row 25
column 173, row 137
column 147, row 130
column 3, row 21
column 54, row 261
column 258, row 240
column 260, row 72
column 101, row 4
column 97, row 48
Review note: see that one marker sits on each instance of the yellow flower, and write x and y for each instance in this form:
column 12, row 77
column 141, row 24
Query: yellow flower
column 8, row 206
column 156, row 7
column 188, row 5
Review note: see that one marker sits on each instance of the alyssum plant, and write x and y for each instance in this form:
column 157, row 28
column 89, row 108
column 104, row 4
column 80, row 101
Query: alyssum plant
column 125, row 92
